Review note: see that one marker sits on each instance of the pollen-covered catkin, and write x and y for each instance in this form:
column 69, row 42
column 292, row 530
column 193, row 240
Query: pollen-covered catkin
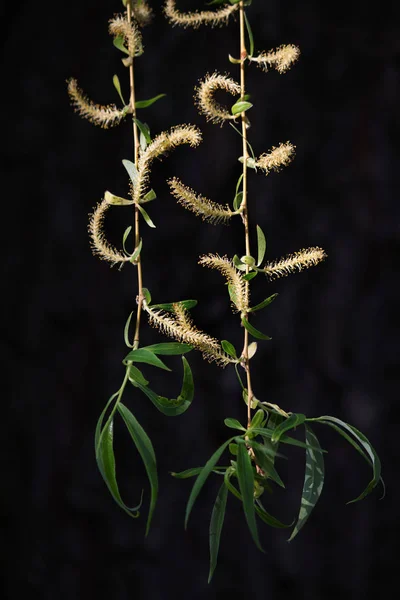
column 205, row 101
column 194, row 19
column 104, row 116
column 303, row 259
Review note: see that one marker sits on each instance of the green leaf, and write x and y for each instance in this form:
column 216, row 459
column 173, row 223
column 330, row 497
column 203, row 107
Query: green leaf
column 175, row 406
column 238, row 263
column 169, row 306
column 261, row 512
column 126, row 233
column 116, row 200
column 245, row 477
column 313, row 481
column 261, row 245
column 144, row 356
column 363, row 447
column 250, row 276
column 264, row 458
column 250, row 34
column 136, row 252
column 117, row 86
column 264, row 303
column 216, row 524
column 119, row 43
column 147, row 295
column 258, row 418
column 291, row 422
column 233, row 449
column 106, row 460
column 240, row 107
column 169, row 348
column 146, row 451
column 132, row 170
column 195, row 471
column 144, row 130
column 284, row 439
column 229, row 348
column 126, row 331
column 146, row 216
column 136, row 376
column 234, row 424
column 149, row 102
column 151, row 195
column 254, row 332
column 202, row 478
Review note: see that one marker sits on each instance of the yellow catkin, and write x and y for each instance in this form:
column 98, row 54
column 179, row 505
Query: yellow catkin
column 99, row 244
column 119, row 26
column 240, row 291
column 104, row 116
column 280, row 59
column 162, row 143
column 181, row 328
column 199, row 205
column 142, row 12
column 276, row 158
column 194, row 19
column 204, row 97
column 303, row 259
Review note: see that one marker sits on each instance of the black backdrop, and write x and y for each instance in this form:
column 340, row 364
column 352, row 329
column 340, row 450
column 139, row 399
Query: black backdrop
column 334, row 328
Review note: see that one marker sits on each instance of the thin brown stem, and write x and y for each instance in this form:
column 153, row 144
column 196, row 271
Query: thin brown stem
column 245, row 214
column 132, row 103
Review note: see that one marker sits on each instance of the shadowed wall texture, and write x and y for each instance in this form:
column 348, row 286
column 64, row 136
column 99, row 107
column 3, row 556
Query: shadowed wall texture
column 334, row 347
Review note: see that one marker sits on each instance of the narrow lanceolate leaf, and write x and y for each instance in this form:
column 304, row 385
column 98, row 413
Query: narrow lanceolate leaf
column 116, row 200
column 149, row 197
column 253, row 331
column 149, row 102
column 260, row 510
column 170, row 305
column 234, row 424
column 240, row 107
column 195, row 471
column 169, row 348
column 245, row 477
column 103, row 443
column 132, row 170
column 146, row 216
column 117, row 86
column 119, row 43
column 147, row 295
column 125, row 237
column 313, row 480
column 284, row 439
column 264, row 303
column 363, row 447
column 250, row 276
column 145, row 356
column 216, row 524
column 126, row 331
column 229, row 348
column 175, row 406
column 202, row 478
column 144, row 130
column 146, row 451
column 136, row 376
column 250, row 34
column 261, row 245
column 290, row 423
column 264, row 459
column 136, row 252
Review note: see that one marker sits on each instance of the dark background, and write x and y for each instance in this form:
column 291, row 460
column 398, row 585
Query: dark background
column 334, row 328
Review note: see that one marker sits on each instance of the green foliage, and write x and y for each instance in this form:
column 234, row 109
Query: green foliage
column 256, row 448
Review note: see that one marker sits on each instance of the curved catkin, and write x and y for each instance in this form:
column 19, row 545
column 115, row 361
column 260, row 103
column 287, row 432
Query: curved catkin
column 162, row 143
column 104, row 116
column 181, row 328
column 199, row 205
column 120, row 26
column 303, row 259
column 240, row 291
column 280, row 59
column 276, row 158
column 204, row 97
column 142, row 12
column 194, row 19
column 99, row 244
